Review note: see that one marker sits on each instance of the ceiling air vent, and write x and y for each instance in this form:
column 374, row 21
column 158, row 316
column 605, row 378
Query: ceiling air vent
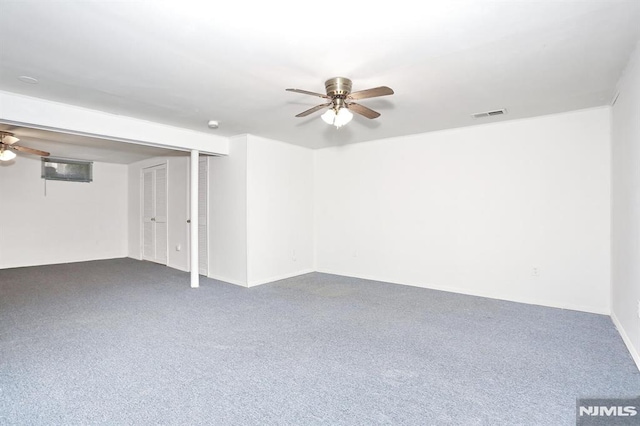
column 489, row 113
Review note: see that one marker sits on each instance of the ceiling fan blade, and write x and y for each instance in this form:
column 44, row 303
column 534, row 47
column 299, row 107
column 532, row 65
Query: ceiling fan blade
column 363, row 110
column 314, row 109
column 306, row 92
column 371, row 93
column 9, row 140
column 30, row 151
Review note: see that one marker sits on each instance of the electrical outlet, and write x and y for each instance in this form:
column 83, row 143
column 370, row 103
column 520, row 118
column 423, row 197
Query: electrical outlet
column 293, row 256
column 638, row 308
column 178, row 247
column 535, row 271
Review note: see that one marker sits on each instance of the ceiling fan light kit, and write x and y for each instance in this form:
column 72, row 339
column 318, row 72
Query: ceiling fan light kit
column 7, row 146
column 341, row 101
column 339, row 119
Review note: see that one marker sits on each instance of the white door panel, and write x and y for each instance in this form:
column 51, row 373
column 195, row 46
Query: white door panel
column 154, row 214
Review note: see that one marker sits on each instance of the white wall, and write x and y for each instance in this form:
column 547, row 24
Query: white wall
column 260, row 211
column 74, row 222
column 625, row 239
column 178, row 207
column 279, row 210
column 474, row 210
column 228, row 214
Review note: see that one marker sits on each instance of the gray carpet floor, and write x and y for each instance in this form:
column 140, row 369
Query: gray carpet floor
column 123, row 342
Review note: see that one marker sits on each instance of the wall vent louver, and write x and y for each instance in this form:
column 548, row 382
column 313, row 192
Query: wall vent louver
column 489, row 113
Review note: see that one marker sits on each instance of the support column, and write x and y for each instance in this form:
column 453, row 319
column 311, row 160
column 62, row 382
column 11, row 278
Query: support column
column 193, row 198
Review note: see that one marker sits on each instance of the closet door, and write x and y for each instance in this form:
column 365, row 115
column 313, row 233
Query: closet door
column 154, row 216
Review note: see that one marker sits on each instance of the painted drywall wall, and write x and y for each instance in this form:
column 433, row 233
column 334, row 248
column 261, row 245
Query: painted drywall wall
column 73, row 222
column 625, row 213
column 279, row 210
column 516, row 210
column 178, row 207
column 227, row 224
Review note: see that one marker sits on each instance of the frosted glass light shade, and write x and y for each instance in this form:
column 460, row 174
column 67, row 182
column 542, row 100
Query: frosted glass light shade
column 340, row 119
column 329, row 116
column 7, row 155
column 344, row 116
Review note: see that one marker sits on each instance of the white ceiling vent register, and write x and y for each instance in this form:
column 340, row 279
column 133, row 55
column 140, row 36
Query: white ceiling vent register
column 489, row 113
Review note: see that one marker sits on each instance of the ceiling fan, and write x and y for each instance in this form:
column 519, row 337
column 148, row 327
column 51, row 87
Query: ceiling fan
column 341, row 101
column 8, row 145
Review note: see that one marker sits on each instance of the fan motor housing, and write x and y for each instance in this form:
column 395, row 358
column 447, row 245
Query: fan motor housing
column 338, row 86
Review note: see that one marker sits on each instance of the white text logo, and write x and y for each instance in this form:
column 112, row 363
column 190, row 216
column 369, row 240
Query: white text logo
column 606, row 411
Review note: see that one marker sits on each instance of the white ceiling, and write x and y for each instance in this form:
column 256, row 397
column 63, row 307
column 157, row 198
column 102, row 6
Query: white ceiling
column 185, row 62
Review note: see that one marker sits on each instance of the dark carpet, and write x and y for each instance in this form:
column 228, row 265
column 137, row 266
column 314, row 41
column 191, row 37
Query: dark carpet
column 123, row 342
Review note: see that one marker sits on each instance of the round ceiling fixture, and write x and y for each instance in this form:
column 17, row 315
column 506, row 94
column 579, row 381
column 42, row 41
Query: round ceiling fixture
column 27, row 79
column 213, row 124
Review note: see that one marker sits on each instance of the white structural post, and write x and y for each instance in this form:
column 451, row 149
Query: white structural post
column 193, row 198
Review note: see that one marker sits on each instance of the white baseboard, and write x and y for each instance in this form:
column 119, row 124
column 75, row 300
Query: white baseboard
column 625, row 338
column 279, row 277
column 178, row 267
column 64, row 262
column 227, row 280
column 528, row 301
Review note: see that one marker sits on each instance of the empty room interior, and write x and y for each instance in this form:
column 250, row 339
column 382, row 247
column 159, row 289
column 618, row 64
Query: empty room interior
column 223, row 214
